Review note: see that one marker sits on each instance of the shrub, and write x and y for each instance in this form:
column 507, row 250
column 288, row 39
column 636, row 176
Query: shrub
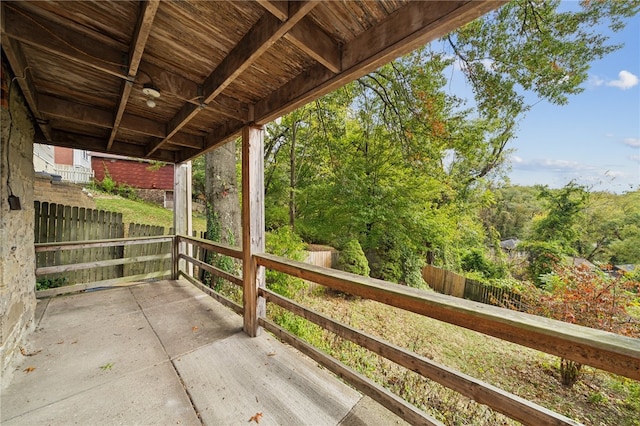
column 580, row 296
column 352, row 259
column 45, row 283
column 284, row 242
column 412, row 265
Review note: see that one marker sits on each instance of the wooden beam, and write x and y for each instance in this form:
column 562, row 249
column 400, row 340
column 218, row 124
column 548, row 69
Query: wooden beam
column 52, row 107
column 219, row 136
column 141, row 34
column 92, row 143
column 253, row 276
column 258, row 40
column 307, row 36
column 316, row 43
column 410, row 27
column 279, row 9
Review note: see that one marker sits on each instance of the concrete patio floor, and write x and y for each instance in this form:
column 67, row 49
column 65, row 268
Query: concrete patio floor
column 165, row 353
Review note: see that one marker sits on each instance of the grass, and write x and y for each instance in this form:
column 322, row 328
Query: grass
column 599, row 398
column 144, row 212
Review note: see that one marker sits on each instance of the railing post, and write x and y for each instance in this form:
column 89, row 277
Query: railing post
column 174, row 257
column 253, row 275
column 182, row 209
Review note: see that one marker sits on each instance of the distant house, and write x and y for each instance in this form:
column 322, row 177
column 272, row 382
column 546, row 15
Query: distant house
column 152, row 181
column 623, row 269
column 510, row 246
column 65, row 164
column 581, row 262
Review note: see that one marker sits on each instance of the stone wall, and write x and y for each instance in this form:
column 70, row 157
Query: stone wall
column 17, row 256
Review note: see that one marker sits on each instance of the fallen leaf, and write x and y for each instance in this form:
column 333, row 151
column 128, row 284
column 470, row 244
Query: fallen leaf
column 107, row 366
column 194, row 328
column 29, row 369
column 272, row 353
column 255, row 418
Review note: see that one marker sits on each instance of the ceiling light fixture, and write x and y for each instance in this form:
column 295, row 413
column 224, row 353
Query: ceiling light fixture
column 152, row 94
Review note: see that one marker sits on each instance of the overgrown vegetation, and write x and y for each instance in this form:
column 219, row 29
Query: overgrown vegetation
column 109, row 186
column 46, row 283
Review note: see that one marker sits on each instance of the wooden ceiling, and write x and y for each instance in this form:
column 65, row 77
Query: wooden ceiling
column 218, row 65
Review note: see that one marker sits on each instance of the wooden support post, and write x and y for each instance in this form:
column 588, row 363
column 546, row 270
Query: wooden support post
column 253, row 276
column 182, row 209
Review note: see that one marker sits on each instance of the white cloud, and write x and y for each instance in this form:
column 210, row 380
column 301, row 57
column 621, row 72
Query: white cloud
column 632, row 142
column 635, row 158
column 626, row 80
column 595, row 81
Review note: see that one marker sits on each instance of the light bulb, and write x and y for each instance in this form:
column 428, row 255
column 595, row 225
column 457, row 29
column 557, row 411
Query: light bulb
column 151, row 103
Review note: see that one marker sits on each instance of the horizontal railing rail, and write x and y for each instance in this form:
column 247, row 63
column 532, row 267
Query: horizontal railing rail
column 484, row 393
column 69, row 245
column 607, row 351
column 219, row 249
column 122, row 259
column 235, row 252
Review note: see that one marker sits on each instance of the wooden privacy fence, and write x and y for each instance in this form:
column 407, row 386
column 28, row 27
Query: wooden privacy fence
column 447, row 282
column 147, row 251
column 100, row 263
column 59, row 223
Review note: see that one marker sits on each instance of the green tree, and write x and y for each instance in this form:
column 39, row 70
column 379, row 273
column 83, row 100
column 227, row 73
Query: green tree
column 563, row 212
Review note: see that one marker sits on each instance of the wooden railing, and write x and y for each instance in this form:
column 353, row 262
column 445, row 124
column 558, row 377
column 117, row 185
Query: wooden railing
column 600, row 349
column 216, row 248
column 94, row 244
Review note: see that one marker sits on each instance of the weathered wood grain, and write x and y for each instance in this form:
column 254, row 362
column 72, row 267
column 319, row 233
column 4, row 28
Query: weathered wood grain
column 600, row 349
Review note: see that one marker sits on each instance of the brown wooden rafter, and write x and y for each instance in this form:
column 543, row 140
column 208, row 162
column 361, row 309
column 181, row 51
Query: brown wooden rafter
column 258, row 40
column 141, row 34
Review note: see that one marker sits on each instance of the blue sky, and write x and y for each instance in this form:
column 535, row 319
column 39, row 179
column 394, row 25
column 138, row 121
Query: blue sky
column 595, row 139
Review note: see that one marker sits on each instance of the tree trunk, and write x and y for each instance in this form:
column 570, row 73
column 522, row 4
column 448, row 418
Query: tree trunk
column 292, row 179
column 221, row 189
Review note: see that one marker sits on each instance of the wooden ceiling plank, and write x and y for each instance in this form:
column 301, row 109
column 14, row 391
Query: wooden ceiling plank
column 175, row 85
column 52, row 107
column 19, row 65
column 316, row 43
column 92, row 143
column 255, row 42
column 141, row 34
column 279, row 9
column 403, row 31
column 170, row 84
column 60, row 41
